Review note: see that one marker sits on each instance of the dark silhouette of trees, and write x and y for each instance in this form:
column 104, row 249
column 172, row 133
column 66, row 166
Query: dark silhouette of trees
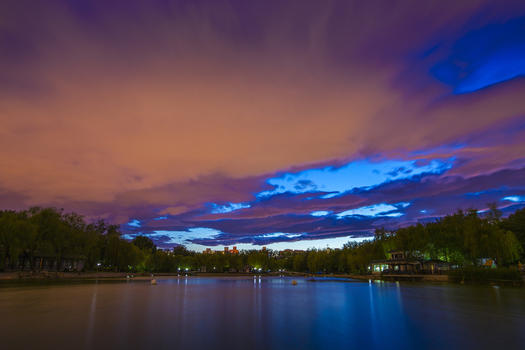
column 463, row 238
column 144, row 243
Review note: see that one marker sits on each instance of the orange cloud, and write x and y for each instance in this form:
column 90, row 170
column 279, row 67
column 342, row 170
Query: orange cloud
column 112, row 108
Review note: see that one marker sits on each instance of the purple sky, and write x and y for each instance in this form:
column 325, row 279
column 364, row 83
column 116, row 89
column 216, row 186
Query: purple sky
column 290, row 124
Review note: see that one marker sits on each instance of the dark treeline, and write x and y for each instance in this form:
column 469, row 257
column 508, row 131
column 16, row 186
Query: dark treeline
column 461, row 239
column 28, row 237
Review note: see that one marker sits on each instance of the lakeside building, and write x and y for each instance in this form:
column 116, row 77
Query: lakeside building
column 487, row 262
column 399, row 263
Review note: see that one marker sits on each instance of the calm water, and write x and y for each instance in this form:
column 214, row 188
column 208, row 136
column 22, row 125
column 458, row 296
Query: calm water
column 266, row 313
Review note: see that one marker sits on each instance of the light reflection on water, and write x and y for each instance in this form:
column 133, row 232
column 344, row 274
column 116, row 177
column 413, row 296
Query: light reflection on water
column 261, row 313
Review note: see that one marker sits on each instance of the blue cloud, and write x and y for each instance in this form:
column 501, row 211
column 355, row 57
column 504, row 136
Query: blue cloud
column 333, row 242
column 514, row 198
column 484, row 57
column 381, row 209
column 186, row 237
column 228, row 207
column 357, row 174
column 320, row 213
column 278, row 235
column 134, row 223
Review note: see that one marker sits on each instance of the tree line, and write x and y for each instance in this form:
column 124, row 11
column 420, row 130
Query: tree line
column 462, row 239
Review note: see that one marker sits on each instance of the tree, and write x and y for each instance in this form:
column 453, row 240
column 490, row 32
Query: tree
column 144, row 243
column 516, row 224
column 180, row 250
column 493, row 214
column 16, row 237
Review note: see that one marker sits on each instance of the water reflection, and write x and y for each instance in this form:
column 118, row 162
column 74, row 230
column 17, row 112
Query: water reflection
column 261, row 313
column 91, row 320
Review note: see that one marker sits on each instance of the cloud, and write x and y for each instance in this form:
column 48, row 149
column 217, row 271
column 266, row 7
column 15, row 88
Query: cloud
column 356, row 174
column 227, row 208
column 485, row 56
column 134, row 223
column 272, row 112
column 173, row 210
column 514, row 198
column 171, row 238
column 336, row 242
column 320, row 213
column 381, row 209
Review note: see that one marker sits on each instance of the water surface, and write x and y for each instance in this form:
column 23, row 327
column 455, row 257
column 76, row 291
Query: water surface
column 260, row 313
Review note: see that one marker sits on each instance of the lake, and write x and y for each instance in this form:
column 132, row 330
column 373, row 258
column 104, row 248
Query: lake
column 260, row 313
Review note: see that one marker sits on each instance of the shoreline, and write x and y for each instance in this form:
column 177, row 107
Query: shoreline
column 122, row 276
column 399, row 278
column 52, row 275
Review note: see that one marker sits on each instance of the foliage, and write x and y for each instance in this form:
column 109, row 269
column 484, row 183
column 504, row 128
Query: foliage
column 462, row 239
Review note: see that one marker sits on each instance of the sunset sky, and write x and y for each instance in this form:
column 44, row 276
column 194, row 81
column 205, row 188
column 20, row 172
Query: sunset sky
column 286, row 124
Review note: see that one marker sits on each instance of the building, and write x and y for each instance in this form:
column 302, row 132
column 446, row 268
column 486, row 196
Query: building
column 230, row 251
column 400, row 263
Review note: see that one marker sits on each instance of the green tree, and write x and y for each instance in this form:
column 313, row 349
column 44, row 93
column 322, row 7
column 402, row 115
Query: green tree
column 144, row 243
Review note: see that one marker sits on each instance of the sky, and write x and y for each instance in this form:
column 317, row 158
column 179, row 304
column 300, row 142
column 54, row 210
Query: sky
column 286, row 124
